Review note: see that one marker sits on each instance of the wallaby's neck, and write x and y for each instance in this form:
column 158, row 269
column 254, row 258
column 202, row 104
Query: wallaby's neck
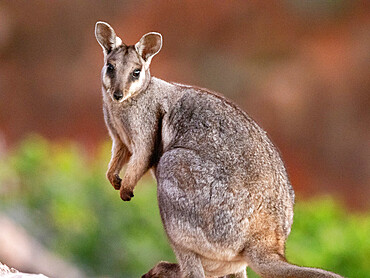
column 164, row 92
column 159, row 85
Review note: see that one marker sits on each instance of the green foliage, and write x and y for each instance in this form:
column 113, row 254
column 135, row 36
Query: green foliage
column 59, row 193
column 65, row 201
column 325, row 235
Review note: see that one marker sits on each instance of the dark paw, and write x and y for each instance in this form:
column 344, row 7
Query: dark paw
column 164, row 270
column 126, row 194
column 117, row 182
column 152, row 274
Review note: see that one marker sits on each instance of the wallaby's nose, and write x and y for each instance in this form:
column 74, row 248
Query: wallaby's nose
column 118, row 95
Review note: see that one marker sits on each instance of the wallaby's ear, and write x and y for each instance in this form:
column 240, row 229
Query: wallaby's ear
column 149, row 45
column 106, row 37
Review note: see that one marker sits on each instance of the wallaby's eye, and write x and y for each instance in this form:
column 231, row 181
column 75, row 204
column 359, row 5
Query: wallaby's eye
column 136, row 73
column 110, row 67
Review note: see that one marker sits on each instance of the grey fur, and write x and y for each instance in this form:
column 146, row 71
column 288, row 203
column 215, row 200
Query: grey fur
column 223, row 191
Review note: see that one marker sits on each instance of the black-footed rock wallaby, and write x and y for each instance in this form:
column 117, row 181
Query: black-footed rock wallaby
column 223, row 192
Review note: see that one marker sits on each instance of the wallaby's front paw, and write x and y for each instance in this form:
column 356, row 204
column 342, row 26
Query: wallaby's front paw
column 116, row 182
column 126, row 194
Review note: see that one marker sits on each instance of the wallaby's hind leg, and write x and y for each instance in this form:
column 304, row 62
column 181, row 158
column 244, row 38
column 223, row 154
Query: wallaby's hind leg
column 190, row 264
column 171, row 270
column 191, row 267
column 164, row 270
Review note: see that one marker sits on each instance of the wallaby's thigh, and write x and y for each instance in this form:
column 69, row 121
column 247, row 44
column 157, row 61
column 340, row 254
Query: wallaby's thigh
column 199, row 207
column 182, row 198
column 196, row 203
column 198, row 219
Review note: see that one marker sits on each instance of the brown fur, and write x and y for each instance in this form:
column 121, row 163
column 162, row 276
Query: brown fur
column 223, row 192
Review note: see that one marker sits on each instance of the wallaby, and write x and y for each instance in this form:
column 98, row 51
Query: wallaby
column 223, row 192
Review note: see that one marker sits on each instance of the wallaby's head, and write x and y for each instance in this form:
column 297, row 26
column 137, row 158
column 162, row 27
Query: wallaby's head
column 126, row 68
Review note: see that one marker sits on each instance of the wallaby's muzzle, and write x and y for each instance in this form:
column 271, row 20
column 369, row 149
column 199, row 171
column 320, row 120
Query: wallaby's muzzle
column 118, row 95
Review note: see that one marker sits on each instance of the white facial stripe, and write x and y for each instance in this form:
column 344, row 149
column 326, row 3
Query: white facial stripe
column 135, row 86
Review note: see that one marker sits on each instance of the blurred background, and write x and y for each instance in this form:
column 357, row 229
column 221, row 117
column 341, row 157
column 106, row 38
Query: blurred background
column 301, row 69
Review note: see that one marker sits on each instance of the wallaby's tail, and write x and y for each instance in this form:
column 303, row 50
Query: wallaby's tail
column 275, row 266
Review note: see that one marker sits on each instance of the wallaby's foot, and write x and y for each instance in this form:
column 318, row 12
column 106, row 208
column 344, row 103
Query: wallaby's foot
column 126, row 194
column 163, row 270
